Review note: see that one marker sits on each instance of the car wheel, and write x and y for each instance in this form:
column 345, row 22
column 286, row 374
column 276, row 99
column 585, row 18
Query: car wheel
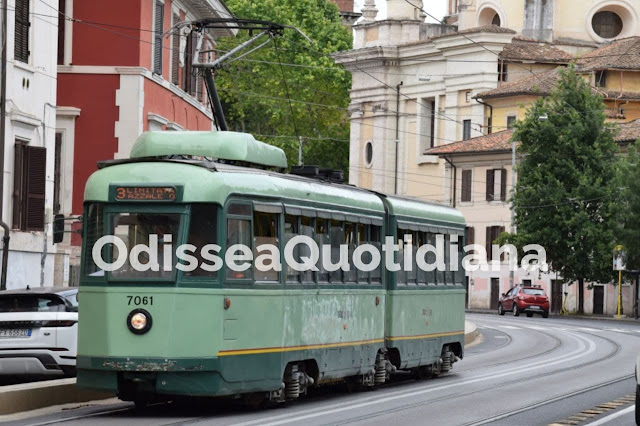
column 529, row 314
column 516, row 312
column 545, row 315
column 500, row 310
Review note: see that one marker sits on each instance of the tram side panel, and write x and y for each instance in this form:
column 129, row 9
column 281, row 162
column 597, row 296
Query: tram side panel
column 423, row 321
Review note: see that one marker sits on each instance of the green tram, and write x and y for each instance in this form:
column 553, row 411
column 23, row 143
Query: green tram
column 272, row 335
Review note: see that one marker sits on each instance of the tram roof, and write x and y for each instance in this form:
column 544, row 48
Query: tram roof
column 232, row 146
column 217, row 182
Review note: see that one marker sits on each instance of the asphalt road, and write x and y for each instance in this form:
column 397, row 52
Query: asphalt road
column 526, row 371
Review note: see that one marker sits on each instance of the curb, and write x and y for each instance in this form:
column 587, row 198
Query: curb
column 31, row 396
column 587, row 317
column 471, row 333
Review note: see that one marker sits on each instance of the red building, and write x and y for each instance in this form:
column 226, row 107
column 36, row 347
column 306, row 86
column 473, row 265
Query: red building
column 120, row 73
column 349, row 17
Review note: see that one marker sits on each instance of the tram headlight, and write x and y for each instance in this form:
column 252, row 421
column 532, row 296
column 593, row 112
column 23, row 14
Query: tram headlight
column 139, row 321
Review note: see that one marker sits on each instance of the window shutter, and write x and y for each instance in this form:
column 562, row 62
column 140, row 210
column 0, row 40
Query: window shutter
column 466, row 185
column 471, row 235
column 490, row 185
column 57, row 174
column 186, row 73
column 61, row 20
column 18, row 189
column 175, row 53
column 193, row 74
column 158, row 28
column 36, row 180
column 503, row 185
column 488, row 242
column 21, row 42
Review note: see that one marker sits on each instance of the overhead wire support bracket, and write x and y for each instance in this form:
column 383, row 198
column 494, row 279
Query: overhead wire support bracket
column 266, row 28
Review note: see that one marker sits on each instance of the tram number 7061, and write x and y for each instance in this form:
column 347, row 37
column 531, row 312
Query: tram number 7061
column 140, row 300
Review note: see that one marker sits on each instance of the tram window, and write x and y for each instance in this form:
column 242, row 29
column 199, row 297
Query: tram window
column 239, row 232
column 362, row 234
column 265, row 231
column 322, row 238
column 421, row 273
column 239, row 209
column 94, row 229
column 375, row 237
column 336, row 240
column 306, row 229
column 431, row 258
column 413, row 273
column 137, row 228
column 401, row 274
column 440, row 275
column 202, row 231
column 350, row 239
column 460, row 274
column 447, row 256
column 292, row 229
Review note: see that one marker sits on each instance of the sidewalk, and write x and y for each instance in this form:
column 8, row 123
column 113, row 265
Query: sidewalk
column 591, row 317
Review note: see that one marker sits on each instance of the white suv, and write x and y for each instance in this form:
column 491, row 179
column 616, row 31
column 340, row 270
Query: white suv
column 38, row 331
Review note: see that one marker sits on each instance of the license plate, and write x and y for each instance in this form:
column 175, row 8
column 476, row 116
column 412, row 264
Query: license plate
column 534, row 307
column 15, row 332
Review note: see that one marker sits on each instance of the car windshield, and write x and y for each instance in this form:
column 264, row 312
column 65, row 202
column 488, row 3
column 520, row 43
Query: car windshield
column 30, row 303
column 533, row 291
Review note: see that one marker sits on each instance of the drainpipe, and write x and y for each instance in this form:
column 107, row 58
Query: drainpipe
column 395, row 179
column 490, row 120
column 3, row 114
column 455, row 180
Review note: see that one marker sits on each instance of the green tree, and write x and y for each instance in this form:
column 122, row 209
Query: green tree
column 254, row 90
column 565, row 197
column 629, row 230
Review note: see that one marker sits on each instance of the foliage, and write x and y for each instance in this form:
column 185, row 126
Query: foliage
column 629, row 181
column 565, row 197
column 254, row 93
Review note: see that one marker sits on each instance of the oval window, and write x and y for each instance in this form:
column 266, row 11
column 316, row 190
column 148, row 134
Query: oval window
column 368, row 153
column 607, row 24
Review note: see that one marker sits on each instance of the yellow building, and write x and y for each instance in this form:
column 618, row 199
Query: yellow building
column 431, row 104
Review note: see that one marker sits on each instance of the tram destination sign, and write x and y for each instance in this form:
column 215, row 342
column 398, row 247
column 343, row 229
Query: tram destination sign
column 160, row 193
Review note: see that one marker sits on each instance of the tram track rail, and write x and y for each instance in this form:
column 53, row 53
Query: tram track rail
column 616, row 349
column 394, row 387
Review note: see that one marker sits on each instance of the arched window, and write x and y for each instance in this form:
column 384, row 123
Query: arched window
column 496, row 20
column 368, row 153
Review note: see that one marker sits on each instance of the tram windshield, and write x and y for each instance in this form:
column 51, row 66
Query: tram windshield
column 144, row 248
column 139, row 230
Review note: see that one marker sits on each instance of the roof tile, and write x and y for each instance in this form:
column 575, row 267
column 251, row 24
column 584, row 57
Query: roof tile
column 531, row 50
column 620, row 54
column 495, row 142
column 539, row 84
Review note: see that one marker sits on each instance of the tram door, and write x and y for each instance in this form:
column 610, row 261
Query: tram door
column 598, row 300
column 556, row 296
column 466, row 293
column 495, row 292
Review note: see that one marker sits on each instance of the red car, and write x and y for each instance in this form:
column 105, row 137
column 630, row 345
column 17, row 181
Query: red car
column 530, row 300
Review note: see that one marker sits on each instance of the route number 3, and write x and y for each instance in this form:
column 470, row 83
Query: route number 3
column 140, row 300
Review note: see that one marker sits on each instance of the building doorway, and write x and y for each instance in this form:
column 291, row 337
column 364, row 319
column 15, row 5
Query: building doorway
column 598, row 300
column 556, row 296
column 495, row 293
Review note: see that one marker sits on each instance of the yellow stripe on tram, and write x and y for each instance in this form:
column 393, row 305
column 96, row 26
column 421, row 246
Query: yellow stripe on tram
column 297, row 348
column 425, row 336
